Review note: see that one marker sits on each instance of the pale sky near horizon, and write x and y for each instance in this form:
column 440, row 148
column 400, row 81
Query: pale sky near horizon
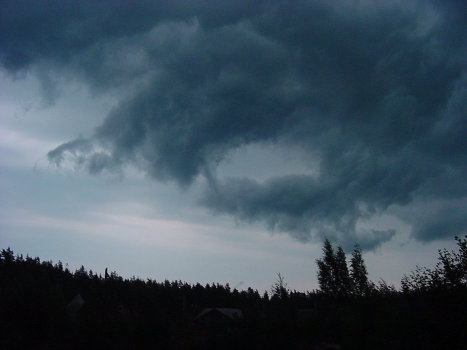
column 221, row 142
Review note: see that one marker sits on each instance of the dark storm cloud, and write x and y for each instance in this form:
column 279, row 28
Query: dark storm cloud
column 446, row 221
column 375, row 93
column 301, row 205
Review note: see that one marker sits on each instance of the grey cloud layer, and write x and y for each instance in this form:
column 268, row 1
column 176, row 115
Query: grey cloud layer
column 376, row 91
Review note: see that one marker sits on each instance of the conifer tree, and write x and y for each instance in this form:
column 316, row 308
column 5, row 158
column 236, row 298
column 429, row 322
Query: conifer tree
column 325, row 269
column 333, row 273
column 358, row 272
column 341, row 273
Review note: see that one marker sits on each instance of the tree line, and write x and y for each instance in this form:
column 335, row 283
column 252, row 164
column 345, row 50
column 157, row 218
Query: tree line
column 121, row 313
column 336, row 279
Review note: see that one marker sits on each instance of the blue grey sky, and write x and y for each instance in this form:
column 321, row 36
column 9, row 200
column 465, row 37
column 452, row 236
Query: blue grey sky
column 223, row 141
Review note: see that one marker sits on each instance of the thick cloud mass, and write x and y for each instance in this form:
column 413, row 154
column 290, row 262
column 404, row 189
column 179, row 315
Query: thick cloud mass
column 375, row 92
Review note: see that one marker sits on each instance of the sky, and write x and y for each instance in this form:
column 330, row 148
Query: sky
column 223, row 141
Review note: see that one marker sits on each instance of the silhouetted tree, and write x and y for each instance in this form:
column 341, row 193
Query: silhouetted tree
column 450, row 271
column 384, row 289
column 358, row 273
column 341, row 272
column 326, row 265
column 279, row 288
column 333, row 273
column 452, row 266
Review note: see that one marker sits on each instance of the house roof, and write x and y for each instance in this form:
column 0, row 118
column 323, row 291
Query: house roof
column 229, row 312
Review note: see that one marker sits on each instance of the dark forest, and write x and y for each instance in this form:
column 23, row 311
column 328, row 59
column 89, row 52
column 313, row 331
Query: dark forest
column 46, row 306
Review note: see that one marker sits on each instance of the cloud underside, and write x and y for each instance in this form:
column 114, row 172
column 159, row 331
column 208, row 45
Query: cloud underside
column 374, row 93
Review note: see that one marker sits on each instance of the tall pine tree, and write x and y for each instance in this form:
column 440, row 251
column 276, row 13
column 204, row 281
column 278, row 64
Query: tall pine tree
column 333, row 274
column 358, row 272
column 341, row 273
column 325, row 269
